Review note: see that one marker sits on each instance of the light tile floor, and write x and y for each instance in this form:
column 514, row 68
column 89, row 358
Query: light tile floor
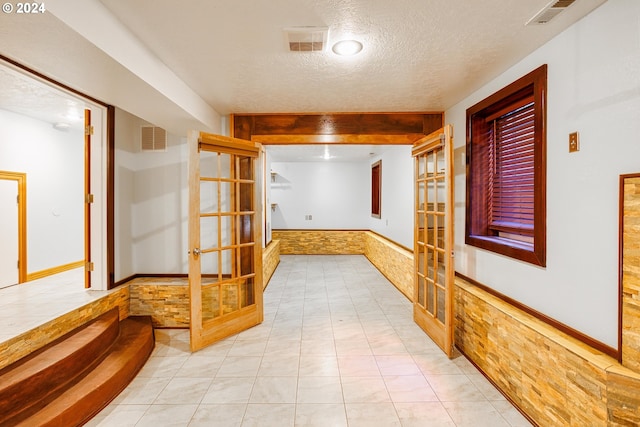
column 337, row 347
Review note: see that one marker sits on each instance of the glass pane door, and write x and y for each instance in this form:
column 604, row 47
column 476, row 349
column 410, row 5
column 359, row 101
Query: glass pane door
column 433, row 246
column 224, row 273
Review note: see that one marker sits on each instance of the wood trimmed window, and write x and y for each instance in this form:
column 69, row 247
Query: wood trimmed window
column 506, row 170
column 376, row 189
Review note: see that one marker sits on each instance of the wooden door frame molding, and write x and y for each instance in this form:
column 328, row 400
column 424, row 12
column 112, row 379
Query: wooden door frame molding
column 21, row 179
column 335, row 128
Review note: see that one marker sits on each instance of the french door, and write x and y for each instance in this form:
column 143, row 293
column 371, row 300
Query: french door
column 225, row 255
column 433, row 237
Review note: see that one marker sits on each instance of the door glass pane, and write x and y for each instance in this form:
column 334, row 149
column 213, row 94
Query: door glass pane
column 421, row 162
column 246, row 197
column 440, row 164
column 226, row 230
column 227, row 262
column 209, row 266
column 208, row 232
column 225, row 166
column 208, row 164
column 246, row 232
column 210, row 302
column 226, row 204
column 247, row 297
column 430, row 297
column 440, row 304
column 246, row 169
column 421, row 292
column 432, row 192
column 208, row 196
column 230, row 298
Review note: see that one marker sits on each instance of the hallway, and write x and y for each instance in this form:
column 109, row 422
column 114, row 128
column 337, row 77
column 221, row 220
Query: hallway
column 337, row 347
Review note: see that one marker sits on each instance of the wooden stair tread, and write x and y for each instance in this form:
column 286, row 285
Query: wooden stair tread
column 80, row 402
column 37, row 378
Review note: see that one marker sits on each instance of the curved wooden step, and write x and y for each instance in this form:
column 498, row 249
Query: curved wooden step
column 37, row 379
column 82, row 400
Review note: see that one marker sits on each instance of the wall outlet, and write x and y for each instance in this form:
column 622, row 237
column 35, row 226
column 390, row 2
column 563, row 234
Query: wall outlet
column 308, row 217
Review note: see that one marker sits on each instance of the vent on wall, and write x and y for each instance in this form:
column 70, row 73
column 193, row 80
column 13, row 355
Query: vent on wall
column 153, row 139
column 306, row 39
column 550, row 11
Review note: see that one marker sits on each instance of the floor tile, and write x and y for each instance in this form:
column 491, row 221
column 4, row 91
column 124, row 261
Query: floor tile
column 228, row 415
column 421, row 414
column 274, row 390
column 183, row 391
column 474, row 414
column 455, row 388
column 320, row 415
column 319, row 390
column 364, row 390
column 167, row 416
column 229, row 390
column 372, row 415
column 269, row 415
column 409, row 388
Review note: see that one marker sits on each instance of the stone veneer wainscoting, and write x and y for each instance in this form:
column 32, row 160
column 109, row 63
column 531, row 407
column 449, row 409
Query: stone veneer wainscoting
column 630, row 188
column 555, row 379
column 166, row 299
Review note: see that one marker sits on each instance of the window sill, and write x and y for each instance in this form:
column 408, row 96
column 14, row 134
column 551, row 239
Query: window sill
column 521, row 251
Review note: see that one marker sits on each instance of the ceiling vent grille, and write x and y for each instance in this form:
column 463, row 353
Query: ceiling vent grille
column 550, row 11
column 153, row 139
column 306, row 39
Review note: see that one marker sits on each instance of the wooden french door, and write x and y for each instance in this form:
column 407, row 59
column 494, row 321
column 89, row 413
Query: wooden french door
column 433, row 232
column 225, row 250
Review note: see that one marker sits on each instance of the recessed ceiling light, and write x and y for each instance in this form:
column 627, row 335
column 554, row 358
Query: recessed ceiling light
column 61, row 126
column 347, row 47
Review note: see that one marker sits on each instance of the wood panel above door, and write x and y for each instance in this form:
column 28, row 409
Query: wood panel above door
column 342, row 128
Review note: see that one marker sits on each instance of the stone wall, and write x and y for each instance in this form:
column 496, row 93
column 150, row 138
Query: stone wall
column 166, row 300
column 631, row 273
column 395, row 262
column 320, row 242
column 30, row 341
column 270, row 260
column 555, row 379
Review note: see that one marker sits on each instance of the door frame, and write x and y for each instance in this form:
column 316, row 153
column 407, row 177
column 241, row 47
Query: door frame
column 21, row 179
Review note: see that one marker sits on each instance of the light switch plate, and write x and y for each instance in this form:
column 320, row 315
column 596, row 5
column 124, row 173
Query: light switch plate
column 574, row 142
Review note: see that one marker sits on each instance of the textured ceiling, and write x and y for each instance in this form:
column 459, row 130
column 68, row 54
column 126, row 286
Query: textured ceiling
column 419, row 55
column 24, row 95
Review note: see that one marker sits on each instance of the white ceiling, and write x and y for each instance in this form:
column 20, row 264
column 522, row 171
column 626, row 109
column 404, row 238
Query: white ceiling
column 419, row 55
column 230, row 55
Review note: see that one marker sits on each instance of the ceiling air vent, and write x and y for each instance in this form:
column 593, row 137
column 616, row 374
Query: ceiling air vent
column 306, row 39
column 550, row 11
column 153, row 139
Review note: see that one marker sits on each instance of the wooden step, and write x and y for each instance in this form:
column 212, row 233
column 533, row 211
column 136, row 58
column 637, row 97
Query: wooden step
column 32, row 382
column 84, row 399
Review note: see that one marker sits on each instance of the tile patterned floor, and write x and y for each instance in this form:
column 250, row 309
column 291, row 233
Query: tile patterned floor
column 337, row 348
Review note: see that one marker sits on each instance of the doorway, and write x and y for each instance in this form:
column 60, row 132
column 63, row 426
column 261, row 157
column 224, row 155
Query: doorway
column 13, row 260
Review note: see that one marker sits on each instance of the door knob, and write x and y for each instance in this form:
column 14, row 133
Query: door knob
column 196, row 252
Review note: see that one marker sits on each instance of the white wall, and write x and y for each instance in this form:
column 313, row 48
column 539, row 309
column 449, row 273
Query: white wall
column 151, row 203
column 593, row 88
column 336, row 194
column 54, row 164
column 396, row 220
